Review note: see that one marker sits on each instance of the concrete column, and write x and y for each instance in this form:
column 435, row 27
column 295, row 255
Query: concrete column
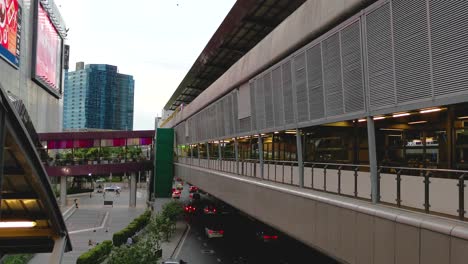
column 373, row 160
column 139, row 176
column 133, row 189
column 57, row 251
column 63, row 191
column 300, row 161
column 110, row 176
column 260, row 155
column 236, row 153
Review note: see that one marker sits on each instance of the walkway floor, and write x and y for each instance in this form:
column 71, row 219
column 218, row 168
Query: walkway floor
column 90, row 216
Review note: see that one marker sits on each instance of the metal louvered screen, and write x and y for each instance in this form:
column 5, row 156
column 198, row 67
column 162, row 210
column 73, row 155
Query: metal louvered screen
column 253, row 108
column 380, row 58
column 244, row 125
column 301, row 88
column 315, row 82
column 411, row 47
column 235, row 121
column 351, row 56
column 288, row 94
column 260, row 103
column 449, row 35
column 278, row 97
column 269, row 120
column 332, row 75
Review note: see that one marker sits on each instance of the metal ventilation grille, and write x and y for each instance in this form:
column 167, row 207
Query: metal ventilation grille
column 228, row 124
column 380, row 58
column 260, row 103
column 315, row 82
column 449, row 39
column 288, row 94
column 253, row 106
column 244, row 125
column 278, row 97
column 269, row 121
column 220, row 119
column 235, row 112
column 332, row 75
column 301, row 88
column 411, row 45
column 352, row 67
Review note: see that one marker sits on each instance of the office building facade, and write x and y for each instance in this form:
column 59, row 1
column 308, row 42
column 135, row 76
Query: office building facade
column 97, row 96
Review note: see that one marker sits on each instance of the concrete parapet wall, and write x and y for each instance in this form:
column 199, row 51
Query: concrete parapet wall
column 350, row 230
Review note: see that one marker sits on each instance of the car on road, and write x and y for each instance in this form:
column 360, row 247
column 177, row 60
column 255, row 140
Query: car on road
column 266, row 234
column 193, row 189
column 112, row 188
column 195, row 196
column 173, row 261
column 214, row 229
column 176, row 194
column 179, row 186
column 209, row 209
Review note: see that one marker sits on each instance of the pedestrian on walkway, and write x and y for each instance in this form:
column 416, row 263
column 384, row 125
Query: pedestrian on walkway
column 76, row 203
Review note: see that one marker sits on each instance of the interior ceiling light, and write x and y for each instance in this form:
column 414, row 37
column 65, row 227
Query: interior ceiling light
column 391, row 129
column 462, row 117
column 417, row 122
column 276, row 132
column 425, row 111
column 401, row 114
column 379, row 117
column 18, row 224
column 362, row 120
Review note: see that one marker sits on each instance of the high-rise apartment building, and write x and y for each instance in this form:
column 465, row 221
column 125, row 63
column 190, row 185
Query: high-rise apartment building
column 97, row 96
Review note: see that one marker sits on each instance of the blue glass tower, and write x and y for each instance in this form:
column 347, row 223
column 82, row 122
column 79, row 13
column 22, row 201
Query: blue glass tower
column 97, row 96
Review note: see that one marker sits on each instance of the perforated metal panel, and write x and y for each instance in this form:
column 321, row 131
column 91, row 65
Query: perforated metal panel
column 351, row 56
column 260, row 103
column 449, row 39
column 315, row 82
column 235, row 112
column 244, row 125
column 411, row 46
column 332, row 75
column 287, row 93
column 301, row 87
column 269, row 119
column 278, row 97
column 253, row 117
column 228, row 115
column 380, row 58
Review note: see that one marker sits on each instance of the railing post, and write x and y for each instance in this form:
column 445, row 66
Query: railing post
column 300, row 161
column 339, row 179
column 372, row 160
column 398, row 192
column 325, row 178
column 260, row 156
column 236, row 153
column 461, row 196
column 356, row 181
column 426, row 191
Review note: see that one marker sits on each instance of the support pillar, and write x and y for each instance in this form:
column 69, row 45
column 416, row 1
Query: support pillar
column 260, row 155
column 208, row 153
column 236, row 153
column 63, row 191
column 57, row 252
column 110, row 176
column 133, row 189
column 300, row 161
column 375, row 195
column 220, row 156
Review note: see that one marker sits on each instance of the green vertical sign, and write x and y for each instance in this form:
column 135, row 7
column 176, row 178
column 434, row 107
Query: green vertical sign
column 163, row 162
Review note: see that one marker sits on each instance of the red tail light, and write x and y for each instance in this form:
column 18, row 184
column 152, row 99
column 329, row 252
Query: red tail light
column 210, row 232
column 221, row 232
column 270, row 237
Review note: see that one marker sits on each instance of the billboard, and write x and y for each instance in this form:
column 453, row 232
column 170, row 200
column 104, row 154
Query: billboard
column 47, row 70
column 10, row 31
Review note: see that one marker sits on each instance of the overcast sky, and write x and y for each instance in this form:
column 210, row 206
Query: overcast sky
column 156, row 41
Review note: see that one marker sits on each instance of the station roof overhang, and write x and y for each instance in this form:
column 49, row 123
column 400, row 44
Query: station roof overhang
column 30, row 218
column 244, row 27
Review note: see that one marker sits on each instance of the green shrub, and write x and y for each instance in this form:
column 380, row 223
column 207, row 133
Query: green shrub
column 17, row 259
column 173, row 210
column 146, row 251
column 136, row 225
column 97, row 254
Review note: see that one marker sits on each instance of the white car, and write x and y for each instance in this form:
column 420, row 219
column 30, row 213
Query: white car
column 112, row 188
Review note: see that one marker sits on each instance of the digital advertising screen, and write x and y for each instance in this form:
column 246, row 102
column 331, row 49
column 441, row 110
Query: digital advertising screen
column 48, row 53
column 10, row 31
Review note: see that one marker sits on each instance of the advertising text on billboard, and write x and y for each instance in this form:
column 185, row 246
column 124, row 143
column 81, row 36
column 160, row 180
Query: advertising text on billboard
column 10, row 31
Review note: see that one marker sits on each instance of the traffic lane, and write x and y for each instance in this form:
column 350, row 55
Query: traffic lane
column 195, row 250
